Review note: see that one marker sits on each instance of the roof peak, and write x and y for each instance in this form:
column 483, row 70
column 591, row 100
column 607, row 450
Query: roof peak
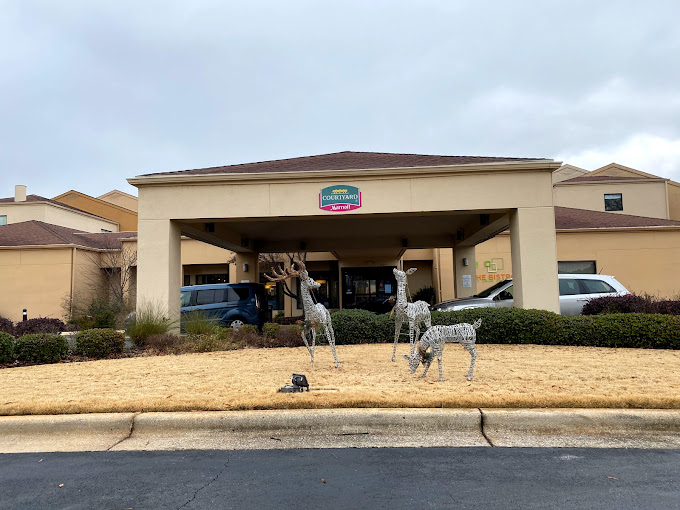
column 345, row 160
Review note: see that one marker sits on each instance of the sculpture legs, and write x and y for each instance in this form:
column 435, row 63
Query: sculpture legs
column 304, row 339
column 397, row 329
column 473, row 354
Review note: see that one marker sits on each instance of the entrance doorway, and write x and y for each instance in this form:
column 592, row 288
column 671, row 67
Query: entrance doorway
column 368, row 288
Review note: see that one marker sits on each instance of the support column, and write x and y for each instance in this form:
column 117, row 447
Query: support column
column 465, row 274
column 443, row 274
column 247, row 267
column 159, row 267
column 534, row 258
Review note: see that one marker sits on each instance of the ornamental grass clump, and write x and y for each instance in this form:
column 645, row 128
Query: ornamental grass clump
column 150, row 319
column 6, row 348
column 99, row 343
column 41, row 348
column 197, row 322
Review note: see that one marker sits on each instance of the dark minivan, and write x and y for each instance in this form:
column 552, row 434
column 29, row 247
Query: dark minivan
column 231, row 304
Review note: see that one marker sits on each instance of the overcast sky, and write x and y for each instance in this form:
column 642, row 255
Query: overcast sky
column 94, row 92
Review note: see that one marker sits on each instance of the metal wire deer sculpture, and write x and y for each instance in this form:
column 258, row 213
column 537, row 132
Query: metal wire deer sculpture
column 414, row 313
column 316, row 314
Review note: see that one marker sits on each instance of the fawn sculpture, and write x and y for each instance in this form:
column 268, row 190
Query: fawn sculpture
column 414, row 313
column 315, row 313
column 465, row 334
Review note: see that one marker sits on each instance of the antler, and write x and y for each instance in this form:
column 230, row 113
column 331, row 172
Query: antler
column 301, row 265
column 283, row 274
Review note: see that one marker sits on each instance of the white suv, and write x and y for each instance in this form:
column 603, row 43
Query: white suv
column 575, row 291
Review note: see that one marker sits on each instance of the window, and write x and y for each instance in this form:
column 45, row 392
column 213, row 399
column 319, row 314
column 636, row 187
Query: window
column 185, row 299
column 596, row 287
column 3, row 220
column 203, row 279
column 187, row 279
column 576, row 267
column 205, row 297
column 238, row 294
column 569, row 287
column 613, row 202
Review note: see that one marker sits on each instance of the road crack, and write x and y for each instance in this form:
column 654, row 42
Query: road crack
column 210, row 482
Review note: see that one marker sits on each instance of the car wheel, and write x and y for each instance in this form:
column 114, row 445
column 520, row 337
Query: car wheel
column 236, row 324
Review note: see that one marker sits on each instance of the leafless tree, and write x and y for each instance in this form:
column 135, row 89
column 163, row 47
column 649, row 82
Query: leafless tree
column 112, row 271
column 278, row 261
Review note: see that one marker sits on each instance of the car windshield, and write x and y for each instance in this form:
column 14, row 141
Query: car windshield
column 486, row 293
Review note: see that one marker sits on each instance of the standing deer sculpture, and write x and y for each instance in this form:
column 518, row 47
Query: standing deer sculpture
column 414, row 313
column 315, row 313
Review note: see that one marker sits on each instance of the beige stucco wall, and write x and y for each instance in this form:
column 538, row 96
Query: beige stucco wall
column 57, row 215
column 644, row 198
column 119, row 198
column 644, row 261
column 35, row 279
column 126, row 219
column 673, row 200
column 299, row 197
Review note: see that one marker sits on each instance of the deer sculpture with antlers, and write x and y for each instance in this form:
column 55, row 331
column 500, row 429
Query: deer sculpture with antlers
column 315, row 313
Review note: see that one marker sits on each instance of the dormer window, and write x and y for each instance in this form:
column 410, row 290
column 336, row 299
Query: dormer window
column 613, row 202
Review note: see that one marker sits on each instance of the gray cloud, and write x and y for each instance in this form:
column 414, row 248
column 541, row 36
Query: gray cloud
column 95, row 93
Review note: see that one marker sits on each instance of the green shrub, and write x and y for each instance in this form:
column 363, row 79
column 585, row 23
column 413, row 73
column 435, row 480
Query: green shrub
column 271, row 329
column 98, row 314
column 426, row 294
column 197, row 322
column 99, row 343
column 6, row 347
column 41, row 348
column 150, row 319
column 356, row 326
column 518, row 326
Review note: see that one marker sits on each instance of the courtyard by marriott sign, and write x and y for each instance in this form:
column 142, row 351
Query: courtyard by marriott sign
column 340, row 198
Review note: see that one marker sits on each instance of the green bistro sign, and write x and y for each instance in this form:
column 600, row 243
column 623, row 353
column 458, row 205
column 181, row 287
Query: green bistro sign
column 340, row 198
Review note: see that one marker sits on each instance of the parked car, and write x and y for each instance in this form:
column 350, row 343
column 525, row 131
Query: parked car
column 575, row 291
column 230, row 304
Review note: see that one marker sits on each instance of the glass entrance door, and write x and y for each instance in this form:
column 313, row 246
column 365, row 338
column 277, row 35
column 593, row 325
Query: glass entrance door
column 368, row 288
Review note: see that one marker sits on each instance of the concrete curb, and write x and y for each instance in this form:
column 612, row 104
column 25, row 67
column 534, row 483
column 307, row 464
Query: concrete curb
column 333, row 428
column 66, row 433
column 315, row 421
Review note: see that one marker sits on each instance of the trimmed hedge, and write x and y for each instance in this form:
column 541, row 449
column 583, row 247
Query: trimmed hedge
column 99, row 343
column 41, row 348
column 631, row 304
column 6, row 347
column 6, row 326
column 38, row 325
column 518, row 326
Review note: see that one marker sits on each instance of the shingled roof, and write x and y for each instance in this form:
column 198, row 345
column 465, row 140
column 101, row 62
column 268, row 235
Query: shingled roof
column 597, row 178
column 567, row 218
column 39, row 233
column 346, row 160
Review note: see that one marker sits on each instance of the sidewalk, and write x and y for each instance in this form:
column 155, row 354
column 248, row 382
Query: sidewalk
column 342, row 428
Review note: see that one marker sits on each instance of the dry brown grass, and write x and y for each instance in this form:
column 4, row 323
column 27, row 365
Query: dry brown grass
column 505, row 376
